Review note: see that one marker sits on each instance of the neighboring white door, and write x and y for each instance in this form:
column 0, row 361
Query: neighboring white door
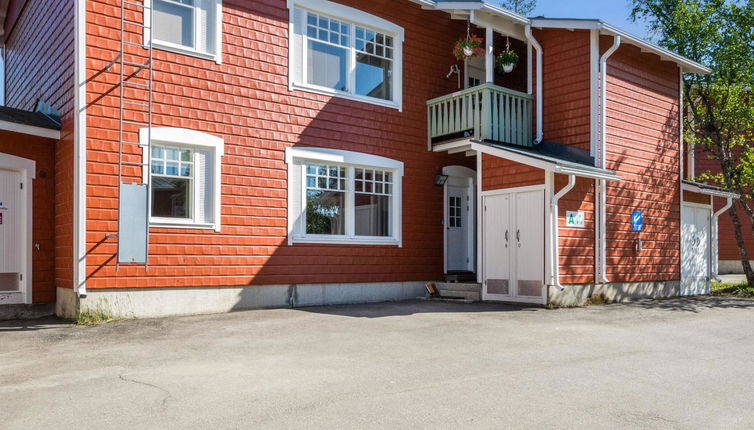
column 695, row 250
column 530, row 245
column 12, row 237
column 513, row 247
column 497, row 248
column 457, row 228
column 475, row 71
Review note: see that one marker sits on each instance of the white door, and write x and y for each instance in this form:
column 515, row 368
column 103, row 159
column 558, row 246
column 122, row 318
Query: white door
column 695, row 250
column 12, row 237
column 513, row 247
column 497, row 248
column 457, row 229
column 475, row 71
column 530, row 245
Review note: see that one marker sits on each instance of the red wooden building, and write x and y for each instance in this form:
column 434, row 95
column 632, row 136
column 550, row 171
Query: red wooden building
column 196, row 156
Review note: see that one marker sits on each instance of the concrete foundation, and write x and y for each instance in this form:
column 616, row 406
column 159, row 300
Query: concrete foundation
column 66, row 303
column 731, row 267
column 577, row 295
column 23, row 312
column 161, row 302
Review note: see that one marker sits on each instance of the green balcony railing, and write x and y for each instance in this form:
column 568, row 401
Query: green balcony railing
column 484, row 112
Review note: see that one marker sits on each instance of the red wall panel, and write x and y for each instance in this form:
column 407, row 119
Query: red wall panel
column 246, row 101
column 40, row 66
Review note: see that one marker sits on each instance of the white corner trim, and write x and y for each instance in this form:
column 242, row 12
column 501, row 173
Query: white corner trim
column 192, row 138
column 296, row 46
column 342, row 157
column 30, row 129
column 28, row 170
column 79, row 152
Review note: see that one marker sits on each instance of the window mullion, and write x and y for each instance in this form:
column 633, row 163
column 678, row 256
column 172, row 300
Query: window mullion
column 351, row 84
column 350, row 202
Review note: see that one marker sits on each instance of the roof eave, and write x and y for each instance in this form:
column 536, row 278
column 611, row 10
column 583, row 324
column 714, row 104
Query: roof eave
column 686, row 64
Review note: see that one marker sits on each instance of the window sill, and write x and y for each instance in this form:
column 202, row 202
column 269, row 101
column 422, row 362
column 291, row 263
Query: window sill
column 340, row 94
column 345, row 240
column 165, row 46
column 164, row 223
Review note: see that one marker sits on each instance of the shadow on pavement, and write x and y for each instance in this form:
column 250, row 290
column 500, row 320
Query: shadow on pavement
column 693, row 304
column 412, row 307
column 36, row 324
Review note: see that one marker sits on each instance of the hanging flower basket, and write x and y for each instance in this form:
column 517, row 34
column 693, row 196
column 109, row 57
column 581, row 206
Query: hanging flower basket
column 468, row 47
column 507, row 60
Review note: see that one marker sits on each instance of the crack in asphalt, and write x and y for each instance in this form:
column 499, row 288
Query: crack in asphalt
column 167, row 393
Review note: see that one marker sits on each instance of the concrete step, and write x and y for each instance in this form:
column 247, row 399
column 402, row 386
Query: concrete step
column 459, row 286
column 22, row 312
column 462, row 294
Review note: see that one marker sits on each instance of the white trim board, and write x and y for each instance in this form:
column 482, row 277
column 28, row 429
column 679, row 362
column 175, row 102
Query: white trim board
column 30, row 130
column 79, row 152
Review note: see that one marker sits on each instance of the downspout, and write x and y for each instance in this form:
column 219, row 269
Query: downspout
column 555, row 261
column 603, row 158
column 530, row 38
column 713, row 258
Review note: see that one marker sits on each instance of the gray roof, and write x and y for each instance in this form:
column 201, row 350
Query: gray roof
column 712, row 189
column 25, row 117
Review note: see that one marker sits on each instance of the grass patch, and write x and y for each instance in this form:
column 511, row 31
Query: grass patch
column 93, row 318
column 733, row 290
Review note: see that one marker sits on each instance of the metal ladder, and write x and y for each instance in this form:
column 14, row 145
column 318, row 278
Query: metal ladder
column 134, row 118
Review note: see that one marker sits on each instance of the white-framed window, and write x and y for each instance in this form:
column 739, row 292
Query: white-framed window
column 184, row 176
column 337, row 196
column 344, row 52
column 192, row 27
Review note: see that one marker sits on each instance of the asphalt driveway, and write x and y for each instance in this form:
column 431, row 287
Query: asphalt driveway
column 681, row 363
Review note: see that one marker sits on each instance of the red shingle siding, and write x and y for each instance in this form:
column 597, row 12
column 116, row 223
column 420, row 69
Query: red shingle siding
column 40, row 150
column 643, row 148
column 40, row 65
column 246, row 101
column 576, row 243
column 499, row 173
column 565, row 96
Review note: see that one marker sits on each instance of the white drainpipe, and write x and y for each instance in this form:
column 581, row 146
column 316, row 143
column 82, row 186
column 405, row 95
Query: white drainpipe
column 714, row 253
column 603, row 160
column 538, row 47
column 555, row 261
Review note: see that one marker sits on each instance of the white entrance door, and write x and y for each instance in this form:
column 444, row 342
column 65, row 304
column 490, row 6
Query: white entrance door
column 513, row 247
column 12, row 237
column 457, row 228
column 695, row 250
column 530, row 245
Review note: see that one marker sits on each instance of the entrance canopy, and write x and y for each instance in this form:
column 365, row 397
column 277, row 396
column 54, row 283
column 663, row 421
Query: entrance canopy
column 551, row 157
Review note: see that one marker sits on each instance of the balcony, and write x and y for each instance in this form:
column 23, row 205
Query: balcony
column 486, row 113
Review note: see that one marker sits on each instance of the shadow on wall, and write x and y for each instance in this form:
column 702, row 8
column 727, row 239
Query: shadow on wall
column 252, row 248
column 649, row 166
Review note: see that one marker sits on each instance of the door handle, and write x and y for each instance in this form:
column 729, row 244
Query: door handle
column 518, row 237
column 506, row 238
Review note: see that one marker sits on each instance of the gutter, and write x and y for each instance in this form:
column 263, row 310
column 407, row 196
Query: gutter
column 713, row 258
column 602, row 151
column 555, row 258
column 530, row 38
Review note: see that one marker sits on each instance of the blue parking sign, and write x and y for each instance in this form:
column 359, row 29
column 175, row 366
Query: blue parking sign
column 637, row 221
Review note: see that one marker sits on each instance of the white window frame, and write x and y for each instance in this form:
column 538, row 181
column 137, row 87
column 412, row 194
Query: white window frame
column 180, row 49
column 296, row 158
column 190, row 139
column 354, row 17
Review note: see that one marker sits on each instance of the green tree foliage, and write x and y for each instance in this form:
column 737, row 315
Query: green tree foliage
column 522, row 7
column 720, row 119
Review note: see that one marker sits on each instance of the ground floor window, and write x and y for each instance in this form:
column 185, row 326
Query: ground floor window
column 184, row 177
column 343, row 197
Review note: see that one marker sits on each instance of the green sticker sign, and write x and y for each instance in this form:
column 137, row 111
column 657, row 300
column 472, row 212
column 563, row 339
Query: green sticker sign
column 574, row 219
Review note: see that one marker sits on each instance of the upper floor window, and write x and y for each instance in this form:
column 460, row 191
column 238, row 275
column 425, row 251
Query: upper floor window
column 345, row 52
column 187, row 26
